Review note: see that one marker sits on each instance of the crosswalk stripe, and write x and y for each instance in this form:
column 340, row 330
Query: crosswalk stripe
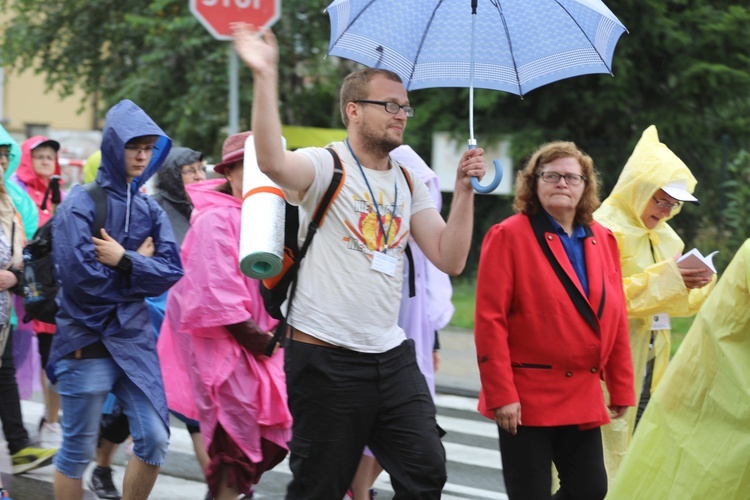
column 470, row 427
column 473, row 456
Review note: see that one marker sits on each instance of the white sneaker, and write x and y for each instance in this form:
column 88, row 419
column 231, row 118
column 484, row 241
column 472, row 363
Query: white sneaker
column 50, row 436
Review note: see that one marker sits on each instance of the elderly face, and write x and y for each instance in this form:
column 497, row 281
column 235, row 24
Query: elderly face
column 195, row 172
column 560, row 195
column 43, row 160
column 659, row 206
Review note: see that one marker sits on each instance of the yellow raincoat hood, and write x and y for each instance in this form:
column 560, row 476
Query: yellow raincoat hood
column 651, row 166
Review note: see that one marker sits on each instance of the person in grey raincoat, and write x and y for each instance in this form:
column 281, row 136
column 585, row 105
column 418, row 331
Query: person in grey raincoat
column 104, row 342
column 182, row 166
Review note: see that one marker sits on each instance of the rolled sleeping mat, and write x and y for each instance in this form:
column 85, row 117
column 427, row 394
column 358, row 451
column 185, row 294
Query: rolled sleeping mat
column 262, row 225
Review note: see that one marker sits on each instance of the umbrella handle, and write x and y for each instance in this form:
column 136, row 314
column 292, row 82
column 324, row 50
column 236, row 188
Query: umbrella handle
column 495, row 182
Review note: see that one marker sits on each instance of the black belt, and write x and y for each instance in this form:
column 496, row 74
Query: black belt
column 91, row 351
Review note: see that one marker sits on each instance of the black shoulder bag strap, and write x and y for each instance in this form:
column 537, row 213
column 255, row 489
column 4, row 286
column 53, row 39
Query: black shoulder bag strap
column 407, row 250
column 315, row 223
column 97, row 193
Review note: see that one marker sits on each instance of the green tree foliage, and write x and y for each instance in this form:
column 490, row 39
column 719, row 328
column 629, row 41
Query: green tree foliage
column 730, row 232
column 156, row 53
column 684, row 66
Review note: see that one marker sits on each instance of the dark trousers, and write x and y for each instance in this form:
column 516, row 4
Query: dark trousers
column 528, row 456
column 342, row 400
column 648, row 378
column 10, row 404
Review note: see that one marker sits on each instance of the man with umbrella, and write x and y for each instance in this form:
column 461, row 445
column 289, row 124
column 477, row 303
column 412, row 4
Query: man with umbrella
column 352, row 377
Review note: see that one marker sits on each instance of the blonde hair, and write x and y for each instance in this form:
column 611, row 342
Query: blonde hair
column 355, row 86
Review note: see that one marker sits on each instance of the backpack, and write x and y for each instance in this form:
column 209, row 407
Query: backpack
column 39, row 284
column 273, row 291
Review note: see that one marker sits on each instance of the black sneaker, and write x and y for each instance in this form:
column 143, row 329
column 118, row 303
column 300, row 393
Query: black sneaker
column 102, row 485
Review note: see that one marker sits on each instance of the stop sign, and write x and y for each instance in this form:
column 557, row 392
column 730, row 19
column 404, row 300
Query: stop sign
column 217, row 15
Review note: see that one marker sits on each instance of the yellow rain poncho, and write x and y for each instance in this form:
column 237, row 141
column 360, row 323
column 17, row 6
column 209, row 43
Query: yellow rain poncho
column 91, row 167
column 652, row 281
column 693, row 441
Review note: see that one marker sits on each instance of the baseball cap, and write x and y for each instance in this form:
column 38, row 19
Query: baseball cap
column 678, row 190
column 46, row 142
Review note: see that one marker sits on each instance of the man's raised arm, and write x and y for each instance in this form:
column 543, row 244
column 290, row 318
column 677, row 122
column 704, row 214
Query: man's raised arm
column 259, row 51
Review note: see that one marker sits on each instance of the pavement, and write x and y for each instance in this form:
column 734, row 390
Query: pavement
column 457, row 375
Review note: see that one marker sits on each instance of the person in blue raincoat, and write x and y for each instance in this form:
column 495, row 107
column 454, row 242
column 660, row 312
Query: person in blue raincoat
column 104, row 341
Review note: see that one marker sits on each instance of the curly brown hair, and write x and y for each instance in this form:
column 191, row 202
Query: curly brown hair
column 355, row 86
column 527, row 202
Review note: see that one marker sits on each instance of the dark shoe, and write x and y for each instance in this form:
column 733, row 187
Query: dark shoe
column 102, row 485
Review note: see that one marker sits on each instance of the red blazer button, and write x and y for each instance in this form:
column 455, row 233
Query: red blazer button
column 593, row 370
column 568, row 374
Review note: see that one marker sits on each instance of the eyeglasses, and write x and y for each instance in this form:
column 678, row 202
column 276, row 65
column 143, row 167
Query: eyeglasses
column 3, row 154
column 391, row 107
column 135, row 150
column 554, row 178
column 44, row 157
column 667, row 204
column 194, row 171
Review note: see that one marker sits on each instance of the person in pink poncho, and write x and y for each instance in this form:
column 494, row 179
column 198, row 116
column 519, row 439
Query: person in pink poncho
column 213, row 338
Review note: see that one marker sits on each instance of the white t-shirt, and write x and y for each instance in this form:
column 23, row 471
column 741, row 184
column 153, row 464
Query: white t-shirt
column 339, row 298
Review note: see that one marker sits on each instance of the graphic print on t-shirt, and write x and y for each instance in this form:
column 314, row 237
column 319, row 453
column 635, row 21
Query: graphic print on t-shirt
column 367, row 235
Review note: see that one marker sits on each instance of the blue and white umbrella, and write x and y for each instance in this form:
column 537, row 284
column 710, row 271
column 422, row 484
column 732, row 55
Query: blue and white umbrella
column 509, row 45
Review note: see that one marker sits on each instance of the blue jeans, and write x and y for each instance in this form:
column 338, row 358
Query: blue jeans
column 83, row 385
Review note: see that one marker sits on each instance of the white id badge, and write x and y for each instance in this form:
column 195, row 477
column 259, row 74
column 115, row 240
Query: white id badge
column 660, row 322
column 383, row 263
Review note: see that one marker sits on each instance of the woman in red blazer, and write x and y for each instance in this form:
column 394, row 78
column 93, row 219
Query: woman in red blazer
column 550, row 323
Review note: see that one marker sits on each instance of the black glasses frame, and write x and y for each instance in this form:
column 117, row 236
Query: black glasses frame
column 390, row 107
column 570, row 179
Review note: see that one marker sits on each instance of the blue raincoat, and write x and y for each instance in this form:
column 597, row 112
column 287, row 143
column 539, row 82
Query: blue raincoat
column 98, row 301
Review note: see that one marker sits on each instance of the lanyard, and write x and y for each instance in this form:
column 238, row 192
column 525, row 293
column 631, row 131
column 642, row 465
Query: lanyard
column 374, row 201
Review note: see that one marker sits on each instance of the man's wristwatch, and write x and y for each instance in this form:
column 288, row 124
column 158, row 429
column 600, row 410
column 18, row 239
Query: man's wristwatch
column 126, row 263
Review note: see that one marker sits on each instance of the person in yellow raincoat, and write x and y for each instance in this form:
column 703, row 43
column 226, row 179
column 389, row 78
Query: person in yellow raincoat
column 693, row 440
column 648, row 193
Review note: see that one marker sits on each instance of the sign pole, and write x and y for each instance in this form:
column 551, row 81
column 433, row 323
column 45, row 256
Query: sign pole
column 217, row 17
column 234, row 92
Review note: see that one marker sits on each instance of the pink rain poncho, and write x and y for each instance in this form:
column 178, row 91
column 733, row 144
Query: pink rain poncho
column 208, row 376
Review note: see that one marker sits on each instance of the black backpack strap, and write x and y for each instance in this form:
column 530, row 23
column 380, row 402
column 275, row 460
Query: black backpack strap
column 320, row 212
column 407, row 250
column 97, row 193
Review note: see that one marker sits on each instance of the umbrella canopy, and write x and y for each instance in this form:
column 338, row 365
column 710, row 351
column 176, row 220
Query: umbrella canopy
column 509, row 45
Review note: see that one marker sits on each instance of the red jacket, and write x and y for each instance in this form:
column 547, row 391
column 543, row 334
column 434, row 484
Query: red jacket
column 540, row 341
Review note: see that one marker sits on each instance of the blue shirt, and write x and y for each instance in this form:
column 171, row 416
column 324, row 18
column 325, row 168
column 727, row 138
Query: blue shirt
column 573, row 246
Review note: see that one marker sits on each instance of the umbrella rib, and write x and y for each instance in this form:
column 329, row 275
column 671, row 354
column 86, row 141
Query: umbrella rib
column 510, row 46
column 421, row 42
column 593, row 46
column 352, row 22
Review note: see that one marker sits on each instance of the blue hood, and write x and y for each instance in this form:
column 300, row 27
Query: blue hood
column 126, row 121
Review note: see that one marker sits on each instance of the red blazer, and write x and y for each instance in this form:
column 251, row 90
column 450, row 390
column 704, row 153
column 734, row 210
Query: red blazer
column 540, row 341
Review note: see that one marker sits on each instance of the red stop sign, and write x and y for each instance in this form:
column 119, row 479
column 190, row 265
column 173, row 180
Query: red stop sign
column 217, row 15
